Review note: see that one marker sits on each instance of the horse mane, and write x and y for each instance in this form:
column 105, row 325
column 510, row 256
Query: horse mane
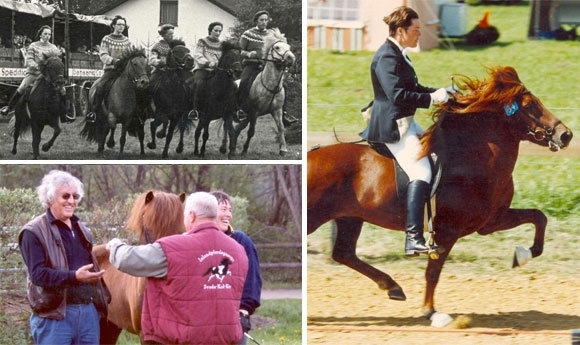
column 176, row 42
column 230, row 44
column 483, row 97
column 159, row 212
column 130, row 53
column 269, row 40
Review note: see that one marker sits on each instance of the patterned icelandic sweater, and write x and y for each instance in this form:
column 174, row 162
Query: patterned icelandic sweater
column 36, row 53
column 207, row 51
column 112, row 47
column 253, row 40
column 159, row 52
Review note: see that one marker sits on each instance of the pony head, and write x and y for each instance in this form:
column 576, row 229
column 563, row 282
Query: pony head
column 52, row 68
column 277, row 49
column 179, row 55
column 156, row 214
column 503, row 99
column 134, row 61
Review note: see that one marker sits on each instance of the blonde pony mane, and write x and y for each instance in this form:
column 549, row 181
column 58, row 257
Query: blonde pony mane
column 270, row 40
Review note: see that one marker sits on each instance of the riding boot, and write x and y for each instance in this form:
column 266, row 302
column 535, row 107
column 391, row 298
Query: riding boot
column 417, row 195
column 91, row 116
column 13, row 100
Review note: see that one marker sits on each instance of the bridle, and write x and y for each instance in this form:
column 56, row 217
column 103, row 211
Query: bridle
column 131, row 72
column 540, row 133
column 280, row 64
column 48, row 76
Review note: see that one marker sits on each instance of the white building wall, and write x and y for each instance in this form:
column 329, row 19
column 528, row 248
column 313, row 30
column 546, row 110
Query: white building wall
column 194, row 17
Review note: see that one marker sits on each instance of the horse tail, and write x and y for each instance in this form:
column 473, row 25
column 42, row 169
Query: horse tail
column 20, row 115
column 91, row 130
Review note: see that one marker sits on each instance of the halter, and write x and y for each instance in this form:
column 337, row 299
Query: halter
column 135, row 80
column 541, row 132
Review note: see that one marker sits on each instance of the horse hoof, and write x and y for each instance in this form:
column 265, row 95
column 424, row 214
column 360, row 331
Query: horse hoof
column 397, row 294
column 45, row 148
column 440, row 320
column 111, row 144
column 521, row 257
column 283, row 153
column 160, row 135
column 151, row 146
column 13, row 152
column 223, row 150
column 179, row 149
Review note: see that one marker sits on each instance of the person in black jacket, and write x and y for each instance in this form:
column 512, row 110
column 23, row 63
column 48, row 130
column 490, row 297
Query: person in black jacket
column 397, row 95
column 63, row 276
column 253, row 285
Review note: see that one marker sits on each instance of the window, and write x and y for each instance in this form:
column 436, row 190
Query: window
column 334, row 10
column 168, row 13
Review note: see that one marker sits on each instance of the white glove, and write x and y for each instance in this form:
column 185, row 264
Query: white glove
column 439, row 96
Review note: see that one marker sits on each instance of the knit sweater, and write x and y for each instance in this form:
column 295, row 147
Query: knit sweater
column 207, row 51
column 39, row 51
column 112, row 47
column 252, row 40
column 158, row 55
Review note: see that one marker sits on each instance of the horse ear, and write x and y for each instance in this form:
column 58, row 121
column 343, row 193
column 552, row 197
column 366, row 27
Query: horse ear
column 149, row 197
column 182, row 197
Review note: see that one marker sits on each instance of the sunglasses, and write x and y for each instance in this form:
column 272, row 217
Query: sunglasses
column 67, row 196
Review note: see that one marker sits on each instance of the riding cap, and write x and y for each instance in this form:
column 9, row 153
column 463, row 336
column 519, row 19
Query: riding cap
column 259, row 13
column 164, row 28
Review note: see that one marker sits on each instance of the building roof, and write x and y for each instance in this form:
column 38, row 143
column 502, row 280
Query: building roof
column 96, row 7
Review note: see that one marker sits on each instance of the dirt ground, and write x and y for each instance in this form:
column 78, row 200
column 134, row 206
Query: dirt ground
column 345, row 307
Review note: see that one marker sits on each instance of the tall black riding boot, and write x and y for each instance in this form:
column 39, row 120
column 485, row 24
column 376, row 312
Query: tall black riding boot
column 13, row 100
column 417, row 192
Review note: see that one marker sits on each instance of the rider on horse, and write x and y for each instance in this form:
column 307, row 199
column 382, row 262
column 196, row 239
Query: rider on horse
column 397, row 96
column 159, row 52
column 111, row 51
column 36, row 53
column 207, row 54
column 251, row 43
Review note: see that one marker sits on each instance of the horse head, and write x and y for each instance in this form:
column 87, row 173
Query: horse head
column 156, row 214
column 134, row 63
column 231, row 60
column 277, row 49
column 52, row 69
column 505, row 96
column 179, row 56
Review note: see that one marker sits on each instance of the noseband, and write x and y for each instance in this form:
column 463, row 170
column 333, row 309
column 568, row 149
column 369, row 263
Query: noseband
column 541, row 133
column 278, row 59
column 132, row 72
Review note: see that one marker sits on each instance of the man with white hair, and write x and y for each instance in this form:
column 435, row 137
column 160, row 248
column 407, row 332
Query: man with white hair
column 195, row 280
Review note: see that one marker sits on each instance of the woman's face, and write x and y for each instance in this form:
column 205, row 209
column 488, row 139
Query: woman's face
column 120, row 26
column 45, row 35
column 224, row 215
column 262, row 21
column 409, row 37
column 168, row 35
column 65, row 203
column 216, row 31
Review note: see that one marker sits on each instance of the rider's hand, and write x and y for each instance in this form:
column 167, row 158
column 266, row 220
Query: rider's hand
column 253, row 55
column 211, row 65
column 439, row 96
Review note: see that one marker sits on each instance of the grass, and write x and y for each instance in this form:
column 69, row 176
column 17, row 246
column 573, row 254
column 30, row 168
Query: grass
column 277, row 321
column 339, row 83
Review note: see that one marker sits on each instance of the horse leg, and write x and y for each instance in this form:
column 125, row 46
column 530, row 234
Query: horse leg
column 55, row 135
column 228, row 135
column 141, row 135
column 163, row 132
column 344, row 252
column 251, row 132
column 515, row 217
column 153, row 127
column 238, row 129
column 277, row 115
column 198, row 130
column 109, row 332
column 205, row 138
column 36, row 136
column 182, row 125
column 122, row 140
column 111, row 141
column 168, row 138
column 16, row 133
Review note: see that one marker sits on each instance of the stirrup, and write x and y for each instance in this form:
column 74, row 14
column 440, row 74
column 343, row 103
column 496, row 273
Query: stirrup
column 91, row 117
column 5, row 110
column 241, row 115
column 193, row 115
column 70, row 117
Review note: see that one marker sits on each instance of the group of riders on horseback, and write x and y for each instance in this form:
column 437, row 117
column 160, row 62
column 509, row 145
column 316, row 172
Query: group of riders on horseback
column 206, row 55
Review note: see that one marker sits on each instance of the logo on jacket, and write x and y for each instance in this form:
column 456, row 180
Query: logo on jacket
column 220, row 271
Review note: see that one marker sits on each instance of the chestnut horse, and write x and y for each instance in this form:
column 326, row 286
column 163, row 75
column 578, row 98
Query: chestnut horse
column 476, row 136
column 155, row 214
column 267, row 93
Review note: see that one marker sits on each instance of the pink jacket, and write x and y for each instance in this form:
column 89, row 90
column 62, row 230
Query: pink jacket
column 198, row 302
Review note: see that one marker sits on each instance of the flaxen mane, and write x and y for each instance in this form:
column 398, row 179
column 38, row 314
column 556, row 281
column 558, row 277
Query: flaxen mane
column 270, row 40
column 159, row 212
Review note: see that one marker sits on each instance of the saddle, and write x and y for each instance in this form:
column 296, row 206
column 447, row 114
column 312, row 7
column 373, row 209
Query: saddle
column 401, row 177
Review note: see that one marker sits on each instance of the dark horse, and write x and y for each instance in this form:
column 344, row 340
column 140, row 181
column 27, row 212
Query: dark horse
column 476, row 136
column 155, row 214
column 43, row 104
column 219, row 98
column 171, row 97
column 267, row 93
column 121, row 105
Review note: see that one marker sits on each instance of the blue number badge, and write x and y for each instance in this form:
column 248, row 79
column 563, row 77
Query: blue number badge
column 511, row 109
